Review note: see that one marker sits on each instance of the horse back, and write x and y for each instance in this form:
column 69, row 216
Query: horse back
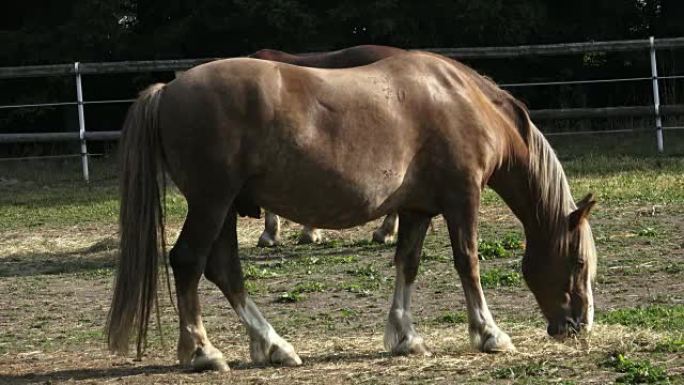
column 349, row 57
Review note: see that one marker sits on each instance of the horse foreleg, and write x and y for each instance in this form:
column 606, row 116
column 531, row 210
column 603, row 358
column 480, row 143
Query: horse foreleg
column 188, row 259
column 386, row 232
column 461, row 218
column 400, row 335
column 271, row 235
column 224, row 269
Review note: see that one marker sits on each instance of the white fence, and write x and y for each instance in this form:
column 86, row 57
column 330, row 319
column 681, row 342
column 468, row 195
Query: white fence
column 649, row 46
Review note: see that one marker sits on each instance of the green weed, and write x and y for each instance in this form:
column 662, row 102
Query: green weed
column 675, row 345
column 516, row 372
column 659, row 317
column 453, row 318
column 636, row 372
column 497, row 277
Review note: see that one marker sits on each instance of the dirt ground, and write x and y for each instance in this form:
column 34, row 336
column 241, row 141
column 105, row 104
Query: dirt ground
column 331, row 300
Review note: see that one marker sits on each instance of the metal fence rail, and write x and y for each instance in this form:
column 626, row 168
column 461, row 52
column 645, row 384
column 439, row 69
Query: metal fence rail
column 647, row 45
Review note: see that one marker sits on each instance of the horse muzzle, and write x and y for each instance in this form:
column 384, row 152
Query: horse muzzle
column 567, row 327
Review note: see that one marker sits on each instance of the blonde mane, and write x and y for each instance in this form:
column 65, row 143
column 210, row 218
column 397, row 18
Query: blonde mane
column 555, row 201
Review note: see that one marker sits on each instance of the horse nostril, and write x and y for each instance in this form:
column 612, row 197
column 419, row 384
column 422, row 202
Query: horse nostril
column 555, row 330
column 573, row 326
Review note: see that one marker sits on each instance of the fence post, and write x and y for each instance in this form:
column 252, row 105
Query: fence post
column 656, row 96
column 81, row 123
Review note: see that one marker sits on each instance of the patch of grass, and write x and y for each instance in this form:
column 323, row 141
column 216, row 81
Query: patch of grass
column 362, row 288
column 452, row 318
column 675, row 345
column 647, row 232
column 497, row 277
column 659, row 317
column 504, row 248
column 534, row 369
column 367, row 272
column 297, row 294
column 341, row 259
column 636, row 372
column 255, row 287
column 513, row 241
column 433, row 256
column 346, row 312
column 674, row 268
column 309, row 287
column 252, row 271
column 290, row 297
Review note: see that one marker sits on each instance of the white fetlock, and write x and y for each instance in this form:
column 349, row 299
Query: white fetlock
column 491, row 340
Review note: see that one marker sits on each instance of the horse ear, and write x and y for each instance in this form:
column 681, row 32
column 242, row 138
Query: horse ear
column 585, row 200
column 584, row 206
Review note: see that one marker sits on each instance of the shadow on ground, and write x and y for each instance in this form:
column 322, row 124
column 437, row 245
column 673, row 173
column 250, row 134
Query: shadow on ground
column 87, row 374
column 100, row 255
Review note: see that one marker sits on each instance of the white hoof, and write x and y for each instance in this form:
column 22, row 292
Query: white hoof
column 379, row 236
column 208, row 359
column 492, row 340
column 307, row 237
column 267, row 240
column 278, row 352
column 413, row 345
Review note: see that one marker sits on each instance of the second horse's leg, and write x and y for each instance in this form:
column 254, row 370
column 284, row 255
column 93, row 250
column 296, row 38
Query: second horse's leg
column 310, row 235
column 271, row 235
column 386, row 232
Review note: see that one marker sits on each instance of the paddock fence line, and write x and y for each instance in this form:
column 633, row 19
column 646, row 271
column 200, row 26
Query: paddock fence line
column 650, row 46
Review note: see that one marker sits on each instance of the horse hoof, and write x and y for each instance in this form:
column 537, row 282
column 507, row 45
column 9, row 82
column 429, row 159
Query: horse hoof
column 382, row 238
column 265, row 240
column 497, row 343
column 209, row 361
column 306, row 238
column 284, row 358
column 412, row 347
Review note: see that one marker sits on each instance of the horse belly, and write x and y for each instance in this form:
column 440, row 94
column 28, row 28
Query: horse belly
column 327, row 198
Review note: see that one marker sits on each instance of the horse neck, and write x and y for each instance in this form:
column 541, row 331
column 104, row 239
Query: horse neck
column 532, row 183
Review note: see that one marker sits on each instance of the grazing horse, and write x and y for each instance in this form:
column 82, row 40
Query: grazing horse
column 344, row 58
column 413, row 133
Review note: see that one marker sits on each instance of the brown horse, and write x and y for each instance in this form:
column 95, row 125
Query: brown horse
column 344, row 58
column 413, row 134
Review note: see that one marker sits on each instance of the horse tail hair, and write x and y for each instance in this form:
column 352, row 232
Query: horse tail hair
column 141, row 223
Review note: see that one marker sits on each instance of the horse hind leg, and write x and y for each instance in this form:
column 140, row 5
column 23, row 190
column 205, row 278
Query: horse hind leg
column 188, row 259
column 271, row 235
column 400, row 334
column 224, row 270
column 310, row 235
column 388, row 230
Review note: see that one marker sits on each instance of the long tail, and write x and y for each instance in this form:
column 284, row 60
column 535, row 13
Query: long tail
column 141, row 223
